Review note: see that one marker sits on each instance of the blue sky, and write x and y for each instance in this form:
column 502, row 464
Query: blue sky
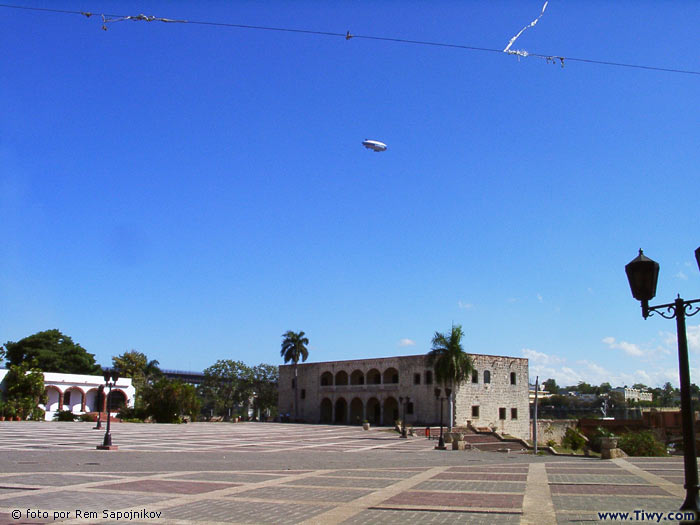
column 194, row 191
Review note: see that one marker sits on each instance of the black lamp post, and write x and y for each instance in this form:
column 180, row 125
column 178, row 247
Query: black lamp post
column 441, row 440
column 111, row 377
column 404, row 401
column 100, row 396
column 642, row 274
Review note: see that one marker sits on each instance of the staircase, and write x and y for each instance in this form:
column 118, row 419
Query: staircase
column 486, row 440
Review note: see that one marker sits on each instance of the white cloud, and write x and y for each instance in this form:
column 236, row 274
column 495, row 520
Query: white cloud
column 628, row 348
column 465, row 306
column 512, row 300
column 539, row 297
column 541, row 357
column 682, row 276
column 407, row 342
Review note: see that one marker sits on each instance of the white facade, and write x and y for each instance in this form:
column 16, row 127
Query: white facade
column 632, row 394
column 79, row 393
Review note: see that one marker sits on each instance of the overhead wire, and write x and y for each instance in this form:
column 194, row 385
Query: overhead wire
column 111, row 18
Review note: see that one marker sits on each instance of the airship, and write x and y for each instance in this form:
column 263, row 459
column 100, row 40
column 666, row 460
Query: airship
column 374, row 145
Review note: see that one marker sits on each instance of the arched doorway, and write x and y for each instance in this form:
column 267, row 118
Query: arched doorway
column 341, row 411
column 52, row 398
column 326, row 379
column 341, row 378
column 73, row 399
column 374, row 411
column 391, row 411
column 356, row 411
column 94, row 400
column 326, row 411
column 357, row 378
column 115, row 400
column 391, row 376
column 374, row 377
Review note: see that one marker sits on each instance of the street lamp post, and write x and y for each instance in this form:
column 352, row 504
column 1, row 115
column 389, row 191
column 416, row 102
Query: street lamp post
column 100, row 397
column 441, row 440
column 111, row 377
column 642, row 274
column 404, row 401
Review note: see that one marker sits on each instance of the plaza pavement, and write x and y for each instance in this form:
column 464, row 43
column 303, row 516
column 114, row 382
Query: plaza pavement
column 304, row 474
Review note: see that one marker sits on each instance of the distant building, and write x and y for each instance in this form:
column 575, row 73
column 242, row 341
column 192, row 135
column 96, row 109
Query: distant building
column 80, row 393
column 542, row 394
column 192, row 378
column 633, row 394
column 348, row 392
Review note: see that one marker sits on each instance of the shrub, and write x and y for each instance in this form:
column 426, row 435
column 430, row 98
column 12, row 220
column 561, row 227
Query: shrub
column 573, row 440
column 90, row 418
column 641, row 444
column 600, row 432
column 64, row 415
column 551, row 443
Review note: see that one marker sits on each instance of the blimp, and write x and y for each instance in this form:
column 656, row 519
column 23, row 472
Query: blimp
column 374, row 145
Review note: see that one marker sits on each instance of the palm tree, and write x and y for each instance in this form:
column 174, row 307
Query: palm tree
column 451, row 364
column 293, row 349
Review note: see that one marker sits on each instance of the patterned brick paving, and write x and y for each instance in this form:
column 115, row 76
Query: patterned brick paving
column 437, row 488
column 609, row 490
column 168, row 487
column 457, row 499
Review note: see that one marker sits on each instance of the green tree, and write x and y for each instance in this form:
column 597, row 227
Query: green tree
column 451, row 364
column 294, row 349
column 551, row 386
column 136, row 365
column 166, row 401
column 52, row 351
column 604, row 388
column 25, row 389
column 227, row 385
column 264, row 380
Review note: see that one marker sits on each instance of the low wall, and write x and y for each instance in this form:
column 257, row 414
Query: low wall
column 552, row 429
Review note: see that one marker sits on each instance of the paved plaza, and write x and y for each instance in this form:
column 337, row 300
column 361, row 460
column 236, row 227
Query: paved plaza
column 303, row 474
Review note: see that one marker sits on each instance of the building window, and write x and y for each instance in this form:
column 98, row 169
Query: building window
column 512, row 378
column 487, row 377
column 428, row 377
column 395, row 378
column 502, row 413
column 416, row 379
column 294, row 382
column 66, row 398
column 326, row 379
column 475, row 412
column 475, row 376
column 409, row 408
column 303, row 393
column 514, row 413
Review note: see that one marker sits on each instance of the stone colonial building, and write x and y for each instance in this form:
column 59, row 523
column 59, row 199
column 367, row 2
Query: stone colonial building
column 348, row 392
column 80, row 393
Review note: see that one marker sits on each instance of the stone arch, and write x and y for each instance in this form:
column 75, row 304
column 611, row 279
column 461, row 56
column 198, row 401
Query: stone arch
column 374, row 411
column 357, row 378
column 341, row 411
column 94, row 400
column 341, row 378
column 326, row 410
column 374, row 377
column 116, row 400
column 391, row 411
column 326, row 379
column 487, row 376
column 54, row 398
column 74, row 399
column 356, row 411
column 391, row 376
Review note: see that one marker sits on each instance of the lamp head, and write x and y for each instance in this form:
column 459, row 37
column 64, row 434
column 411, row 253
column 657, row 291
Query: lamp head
column 105, row 374
column 642, row 274
column 115, row 375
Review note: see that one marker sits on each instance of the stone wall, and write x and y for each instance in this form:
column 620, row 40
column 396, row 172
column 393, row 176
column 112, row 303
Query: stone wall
column 552, row 429
column 325, row 398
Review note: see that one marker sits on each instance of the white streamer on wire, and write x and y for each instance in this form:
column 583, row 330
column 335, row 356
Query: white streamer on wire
column 521, row 52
